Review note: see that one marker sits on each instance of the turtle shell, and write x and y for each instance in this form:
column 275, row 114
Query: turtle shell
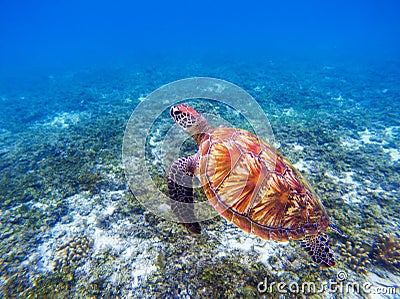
column 252, row 185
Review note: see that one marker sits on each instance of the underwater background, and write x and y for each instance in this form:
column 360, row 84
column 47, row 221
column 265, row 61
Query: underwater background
column 327, row 75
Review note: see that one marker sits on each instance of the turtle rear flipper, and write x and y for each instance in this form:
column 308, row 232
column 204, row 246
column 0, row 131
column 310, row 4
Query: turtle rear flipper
column 317, row 246
column 180, row 191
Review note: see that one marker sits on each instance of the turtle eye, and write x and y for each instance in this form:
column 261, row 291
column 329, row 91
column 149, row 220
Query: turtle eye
column 175, row 111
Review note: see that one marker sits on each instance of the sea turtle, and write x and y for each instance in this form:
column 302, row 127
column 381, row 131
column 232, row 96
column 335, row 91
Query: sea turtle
column 250, row 184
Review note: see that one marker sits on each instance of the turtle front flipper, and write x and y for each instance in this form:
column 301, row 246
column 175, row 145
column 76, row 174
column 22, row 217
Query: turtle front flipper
column 317, row 246
column 180, row 190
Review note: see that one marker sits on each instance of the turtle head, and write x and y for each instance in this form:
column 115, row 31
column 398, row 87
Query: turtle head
column 190, row 120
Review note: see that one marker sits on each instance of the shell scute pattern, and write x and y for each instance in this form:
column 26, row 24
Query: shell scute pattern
column 256, row 188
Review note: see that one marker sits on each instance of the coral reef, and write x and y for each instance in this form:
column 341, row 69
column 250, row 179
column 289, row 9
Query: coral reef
column 387, row 251
column 54, row 285
column 72, row 252
column 357, row 255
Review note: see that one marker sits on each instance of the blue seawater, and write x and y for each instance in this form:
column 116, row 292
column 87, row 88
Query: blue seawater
column 325, row 73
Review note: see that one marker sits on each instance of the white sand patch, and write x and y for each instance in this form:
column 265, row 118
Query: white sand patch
column 393, row 153
column 140, row 270
column 392, row 131
column 298, row 147
column 109, row 210
column 104, row 241
column 134, row 258
column 154, row 139
column 339, row 99
column 289, row 112
column 348, row 179
column 303, row 165
column 350, row 143
column 64, row 120
column 40, row 206
column 366, row 136
column 276, row 144
column 351, row 197
column 376, row 190
column 236, row 239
